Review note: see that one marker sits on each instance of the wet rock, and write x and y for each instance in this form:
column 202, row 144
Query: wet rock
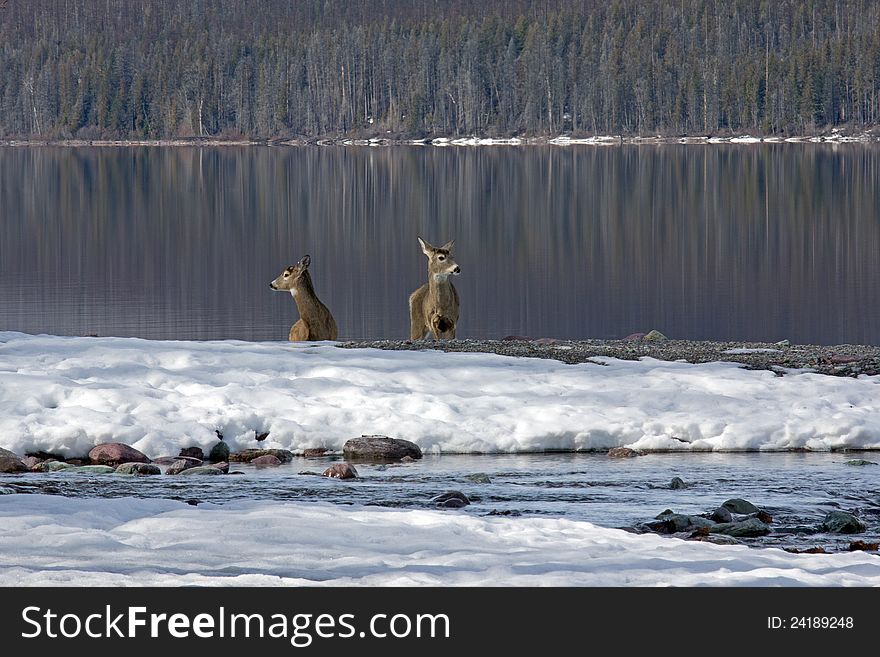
column 664, row 512
column 193, row 453
column 512, row 512
column 193, row 502
column 655, row 336
column 169, row 460
column 248, row 455
column 738, row 505
column 55, row 466
column 748, row 528
column 77, row 461
column 862, row 546
column 679, row 522
column 478, row 478
column 311, row 452
column 10, row 464
column 116, row 454
column 341, row 471
column 45, row 456
column 721, row 514
column 138, row 469
column 811, row 550
column 180, row 465
column 309, row 473
column 260, row 436
column 407, row 459
column 219, row 452
column 452, row 499
column 677, row 483
column 763, row 516
column 223, row 467
column 201, row 470
column 95, row 469
column 380, row 448
column 266, row 461
column 623, row 453
column 718, row 539
column 841, row 522
column 31, row 462
column 859, row 462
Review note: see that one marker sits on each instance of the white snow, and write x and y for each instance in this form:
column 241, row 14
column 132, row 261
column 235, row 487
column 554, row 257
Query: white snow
column 51, row 540
column 67, row 394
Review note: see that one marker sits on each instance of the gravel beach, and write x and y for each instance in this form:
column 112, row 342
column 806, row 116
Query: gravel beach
column 836, row 360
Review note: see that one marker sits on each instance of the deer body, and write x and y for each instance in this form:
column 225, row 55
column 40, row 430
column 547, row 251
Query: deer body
column 434, row 306
column 315, row 322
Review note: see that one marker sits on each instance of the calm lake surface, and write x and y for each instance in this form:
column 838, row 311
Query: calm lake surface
column 701, row 242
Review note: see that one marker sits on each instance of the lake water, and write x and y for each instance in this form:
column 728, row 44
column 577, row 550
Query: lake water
column 701, row 242
column 797, row 489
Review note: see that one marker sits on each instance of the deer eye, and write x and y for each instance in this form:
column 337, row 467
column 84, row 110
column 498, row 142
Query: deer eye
column 441, row 258
column 287, row 274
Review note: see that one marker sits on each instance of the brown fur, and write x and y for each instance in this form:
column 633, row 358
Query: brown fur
column 315, row 322
column 434, row 306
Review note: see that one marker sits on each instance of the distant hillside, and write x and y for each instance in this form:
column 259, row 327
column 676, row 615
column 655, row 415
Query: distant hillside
column 313, row 68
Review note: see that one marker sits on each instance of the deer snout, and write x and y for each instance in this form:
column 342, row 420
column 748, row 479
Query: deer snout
column 456, row 270
column 272, row 286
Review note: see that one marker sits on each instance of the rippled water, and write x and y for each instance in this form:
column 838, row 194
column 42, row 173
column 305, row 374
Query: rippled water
column 797, row 489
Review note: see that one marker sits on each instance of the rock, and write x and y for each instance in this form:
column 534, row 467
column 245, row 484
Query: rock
column 748, row 528
column 10, row 464
column 193, row 501
column 635, row 336
column 311, row 452
column 452, row 499
column 266, row 461
column 248, row 455
column 193, row 453
column 812, row 550
column 31, row 462
column 783, row 344
column 862, row 546
column 169, row 460
column 179, row 466
column 7, row 454
column 77, row 461
column 859, row 462
column 45, row 456
column 679, row 522
column 516, row 338
column 341, row 471
column 841, row 522
column 219, row 452
column 223, row 467
column 260, row 436
column 55, row 466
column 718, row 539
column 721, row 514
column 380, row 448
column 201, row 470
column 737, row 505
column 479, row 478
column 764, row 517
column 138, row 469
column 115, row 454
column 547, row 341
column 655, row 336
column 407, row 459
column 664, row 512
column 677, row 483
column 95, row 469
column 623, row 453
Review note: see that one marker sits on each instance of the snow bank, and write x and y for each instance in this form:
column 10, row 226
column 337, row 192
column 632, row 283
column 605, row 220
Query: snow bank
column 50, row 540
column 64, row 395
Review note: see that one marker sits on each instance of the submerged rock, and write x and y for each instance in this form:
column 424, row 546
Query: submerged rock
column 859, row 462
column 341, row 471
column 266, row 461
column 738, row 505
column 248, row 455
column 677, row 483
column 138, row 469
column 380, row 448
column 749, row 528
column 452, row 499
column 479, row 478
column 200, row 470
column 623, row 453
column 115, row 454
column 841, row 522
column 219, row 452
column 55, row 466
column 95, row 469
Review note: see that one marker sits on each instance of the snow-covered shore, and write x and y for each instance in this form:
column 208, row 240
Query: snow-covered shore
column 51, row 540
column 67, row 394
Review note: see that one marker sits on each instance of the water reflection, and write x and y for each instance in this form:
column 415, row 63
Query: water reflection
column 717, row 242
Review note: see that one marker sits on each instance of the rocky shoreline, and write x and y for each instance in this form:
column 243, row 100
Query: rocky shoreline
column 780, row 357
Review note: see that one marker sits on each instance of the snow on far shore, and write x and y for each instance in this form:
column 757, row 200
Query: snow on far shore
column 58, row 541
column 67, row 394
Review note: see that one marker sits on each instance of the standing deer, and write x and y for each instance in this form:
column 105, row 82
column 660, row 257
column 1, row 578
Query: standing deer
column 434, row 306
column 315, row 321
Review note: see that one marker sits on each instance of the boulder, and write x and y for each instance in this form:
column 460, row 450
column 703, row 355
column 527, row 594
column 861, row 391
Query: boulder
column 623, row 453
column 380, row 448
column 9, row 464
column 168, row 460
column 219, row 452
column 6, row 453
column 451, row 499
column 748, row 528
column 841, row 522
column 248, row 455
column 95, row 469
column 310, row 452
column 200, row 470
column 863, row 546
column 722, row 515
column 266, row 461
column 341, row 471
column 223, row 467
column 179, row 466
column 679, row 522
column 193, row 453
column 31, row 462
column 138, row 469
column 55, row 466
column 677, row 483
column 655, row 336
column 737, row 505
column 115, row 454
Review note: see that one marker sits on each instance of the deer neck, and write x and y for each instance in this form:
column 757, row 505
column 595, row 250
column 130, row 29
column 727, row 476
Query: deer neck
column 440, row 287
column 303, row 293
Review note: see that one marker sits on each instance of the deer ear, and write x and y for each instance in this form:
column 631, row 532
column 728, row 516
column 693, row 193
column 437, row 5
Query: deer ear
column 305, row 262
column 447, row 246
column 426, row 248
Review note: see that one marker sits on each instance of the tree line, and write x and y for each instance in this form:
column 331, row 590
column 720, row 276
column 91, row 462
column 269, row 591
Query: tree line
column 274, row 69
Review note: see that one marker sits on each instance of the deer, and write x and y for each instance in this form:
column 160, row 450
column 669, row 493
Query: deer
column 434, row 306
column 315, row 321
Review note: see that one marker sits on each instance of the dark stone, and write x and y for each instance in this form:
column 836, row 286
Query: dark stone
column 407, row 459
column 10, row 464
column 223, row 467
column 862, row 546
column 77, row 461
column 841, row 522
column 179, row 466
column 266, row 461
column 859, row 462
column 380, row 448
column 737, row 505
column 623, row 453
column 478, row 478
column 248, row 455
column 116, row 454
column 512, row 512
column 193, row 502
column 812, row 550
column 310, row 452
column 138, row 469
column 717, row 539
column 679, row 522
column 764, row 517
column 260, row 436
column 193, row 453
column 748, row 528
column 341, row 471
column 452, row 499
column 677, row 483
column 721, row 514
column 219, row 452
column 201, row 470
column 45, row 456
